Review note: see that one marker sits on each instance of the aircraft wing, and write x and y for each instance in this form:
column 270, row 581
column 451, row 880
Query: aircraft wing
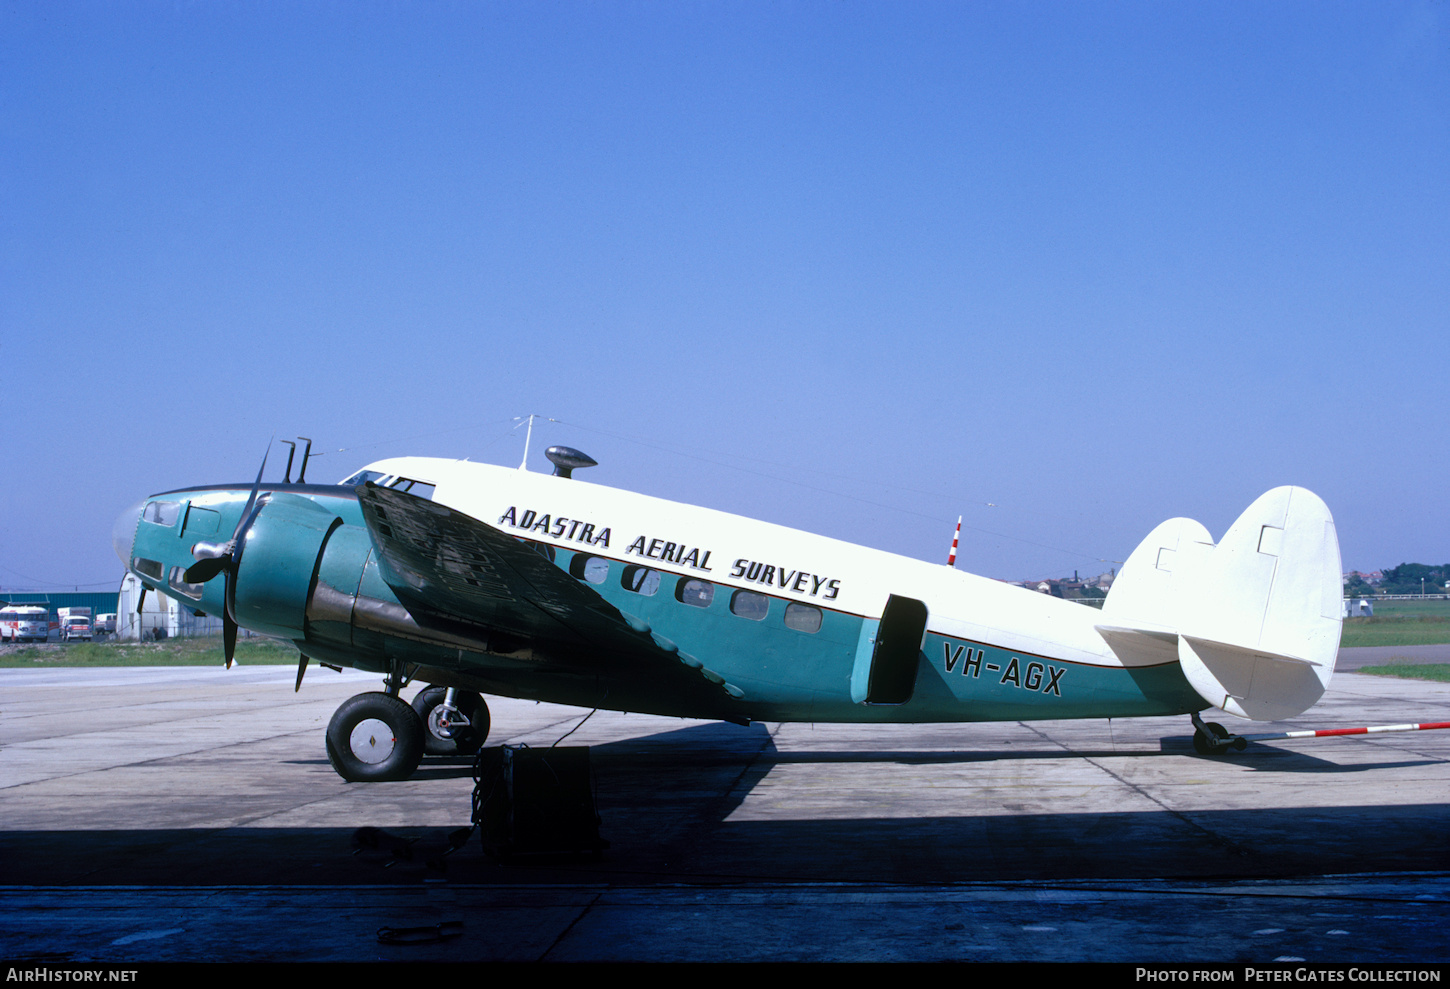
column 451, row 570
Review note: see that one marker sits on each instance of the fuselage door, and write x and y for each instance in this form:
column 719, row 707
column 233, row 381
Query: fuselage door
column 887, row 663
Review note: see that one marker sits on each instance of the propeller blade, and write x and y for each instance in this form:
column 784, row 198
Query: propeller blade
column 301, row 669
column 141, row 599
column 252, row 499
column 204, row 570
column 229, row 637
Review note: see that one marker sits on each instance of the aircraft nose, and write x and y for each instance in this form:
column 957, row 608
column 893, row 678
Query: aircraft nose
column 123, row 533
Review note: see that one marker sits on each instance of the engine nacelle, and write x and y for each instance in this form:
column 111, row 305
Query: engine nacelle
column 278, row 560
column 305, row 575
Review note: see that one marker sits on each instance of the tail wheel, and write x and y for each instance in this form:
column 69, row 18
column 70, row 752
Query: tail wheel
column 374, row 737
column 437, row 739
column 1217, row 744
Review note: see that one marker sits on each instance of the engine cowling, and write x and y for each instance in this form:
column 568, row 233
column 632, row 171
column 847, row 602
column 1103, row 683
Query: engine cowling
column 305, row 575
column 278, row 561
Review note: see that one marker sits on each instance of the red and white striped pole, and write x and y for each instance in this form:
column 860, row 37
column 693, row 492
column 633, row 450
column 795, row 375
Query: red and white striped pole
column 956, row 537
column 1326, row 732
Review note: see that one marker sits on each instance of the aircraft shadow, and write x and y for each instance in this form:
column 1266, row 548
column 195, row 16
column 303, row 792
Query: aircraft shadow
column 699, row 805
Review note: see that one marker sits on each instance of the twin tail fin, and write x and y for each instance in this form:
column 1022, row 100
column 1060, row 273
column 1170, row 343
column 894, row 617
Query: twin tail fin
column 1254, row 620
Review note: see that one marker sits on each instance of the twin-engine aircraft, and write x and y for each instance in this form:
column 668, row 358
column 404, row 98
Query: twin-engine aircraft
column 480, row 579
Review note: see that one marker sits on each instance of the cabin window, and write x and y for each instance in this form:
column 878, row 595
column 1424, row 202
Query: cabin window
column 178, row 583
column 748, row 604
column 696, row 593
column 162, row 512
column 594, row 569
column 802, row 617
column 641, row 580
column 147, row 568
column 363, row 477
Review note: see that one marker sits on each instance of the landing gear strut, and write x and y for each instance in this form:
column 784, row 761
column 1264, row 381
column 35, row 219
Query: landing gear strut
column 1212, row 738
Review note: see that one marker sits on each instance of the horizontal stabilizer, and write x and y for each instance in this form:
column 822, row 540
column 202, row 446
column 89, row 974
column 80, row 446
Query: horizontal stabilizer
column 1140, row 646
column 1251, row 683
column 1201, row 645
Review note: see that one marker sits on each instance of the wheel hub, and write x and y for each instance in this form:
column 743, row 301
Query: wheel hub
column 372, row 741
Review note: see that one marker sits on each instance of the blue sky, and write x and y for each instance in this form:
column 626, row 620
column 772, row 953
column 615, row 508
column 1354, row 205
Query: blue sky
column 852, row 267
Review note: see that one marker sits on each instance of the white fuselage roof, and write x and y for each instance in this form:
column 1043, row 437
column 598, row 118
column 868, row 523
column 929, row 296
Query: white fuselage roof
column 741, row 552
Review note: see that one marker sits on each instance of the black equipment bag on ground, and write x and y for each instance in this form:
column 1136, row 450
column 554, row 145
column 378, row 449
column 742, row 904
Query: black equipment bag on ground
column 535, row 802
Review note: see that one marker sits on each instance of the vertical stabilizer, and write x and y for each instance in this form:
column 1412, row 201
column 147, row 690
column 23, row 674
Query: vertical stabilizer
column 1145, row 595
column 1253, row 621
column 1259, row 629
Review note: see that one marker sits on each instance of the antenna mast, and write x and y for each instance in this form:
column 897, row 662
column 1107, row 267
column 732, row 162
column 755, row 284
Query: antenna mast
column 523, row 464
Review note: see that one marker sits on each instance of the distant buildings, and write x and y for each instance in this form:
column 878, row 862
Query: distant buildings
column 1077, row 589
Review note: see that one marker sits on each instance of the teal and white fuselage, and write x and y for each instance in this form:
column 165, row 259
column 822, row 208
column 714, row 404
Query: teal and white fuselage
column 523, row 584
column 991, row 651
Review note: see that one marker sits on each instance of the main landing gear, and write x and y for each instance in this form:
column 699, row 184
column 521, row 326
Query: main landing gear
column 374, row 737
column 1212, row 738
column 455, row 722
column 377, row 736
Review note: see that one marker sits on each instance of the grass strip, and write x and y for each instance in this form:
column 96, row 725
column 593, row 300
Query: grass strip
column 199, row 651
column 1411, row 671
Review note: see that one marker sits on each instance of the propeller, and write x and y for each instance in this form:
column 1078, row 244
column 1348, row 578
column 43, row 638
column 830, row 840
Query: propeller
column 216, row 558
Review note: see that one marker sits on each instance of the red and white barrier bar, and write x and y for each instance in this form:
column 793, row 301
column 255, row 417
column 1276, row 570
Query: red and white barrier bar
column 956, row 538
column 1325, row 732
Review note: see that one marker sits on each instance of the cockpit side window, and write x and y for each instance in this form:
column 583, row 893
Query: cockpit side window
column 420, row 488
column 162, row 512
column 397, row 482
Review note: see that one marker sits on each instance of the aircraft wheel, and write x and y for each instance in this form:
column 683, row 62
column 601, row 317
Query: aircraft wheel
column 466, row 742
column 1217, row 745
column 374, row 737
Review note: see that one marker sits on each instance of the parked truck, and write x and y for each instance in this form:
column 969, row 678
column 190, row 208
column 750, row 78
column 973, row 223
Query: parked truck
column 75, row 624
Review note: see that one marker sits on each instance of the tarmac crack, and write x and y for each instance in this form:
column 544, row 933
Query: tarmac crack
column 583, row 912
column 1213, row 837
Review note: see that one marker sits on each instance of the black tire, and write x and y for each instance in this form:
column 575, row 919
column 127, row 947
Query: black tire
column 374, row 737
column 1216, row 745
column 466, row 742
